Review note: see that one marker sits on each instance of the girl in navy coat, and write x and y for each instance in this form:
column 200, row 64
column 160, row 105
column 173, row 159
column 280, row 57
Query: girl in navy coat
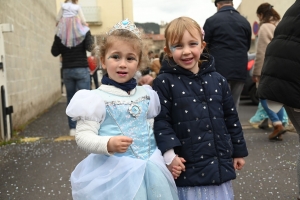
column 198, row 129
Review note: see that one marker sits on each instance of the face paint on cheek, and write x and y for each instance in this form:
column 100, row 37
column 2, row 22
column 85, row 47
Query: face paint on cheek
column 172, row 48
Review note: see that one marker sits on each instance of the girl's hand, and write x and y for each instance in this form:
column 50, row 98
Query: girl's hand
column 238, row 163
column 255, row 78
column 119, row 144
column 176, row 166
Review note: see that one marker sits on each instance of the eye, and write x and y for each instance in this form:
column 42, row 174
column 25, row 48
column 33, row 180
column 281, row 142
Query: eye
column 131, row 58
column 177, row 46
column 194, row 43
column 115, row 56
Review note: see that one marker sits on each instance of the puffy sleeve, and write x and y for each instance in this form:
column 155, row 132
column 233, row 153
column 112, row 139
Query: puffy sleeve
column 86, row 105
column 154, row 106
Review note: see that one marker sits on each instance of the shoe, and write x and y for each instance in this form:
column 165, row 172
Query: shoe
column 72, row 132
column 277, row 132
column 264, row 124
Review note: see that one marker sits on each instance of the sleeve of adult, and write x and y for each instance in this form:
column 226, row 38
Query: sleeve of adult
column 207, row 33
column 233, row 124
column 89, row 41
column 55, row 46
column 265, row 36
column 249, row 35
column 164, row 134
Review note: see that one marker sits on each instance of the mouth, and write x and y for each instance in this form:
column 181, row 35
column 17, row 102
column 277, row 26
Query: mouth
column 187, row 60
column 122, row 73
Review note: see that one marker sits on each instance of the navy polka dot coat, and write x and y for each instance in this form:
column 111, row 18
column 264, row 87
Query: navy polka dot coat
column 199, row 121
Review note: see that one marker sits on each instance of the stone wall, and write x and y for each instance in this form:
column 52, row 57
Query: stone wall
column 33, row 74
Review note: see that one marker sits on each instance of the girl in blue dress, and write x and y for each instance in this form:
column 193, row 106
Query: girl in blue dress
column 112, row 125
column 198, row 127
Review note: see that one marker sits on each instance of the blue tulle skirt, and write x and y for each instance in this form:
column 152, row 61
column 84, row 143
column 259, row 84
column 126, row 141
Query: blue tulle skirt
column 114, row 178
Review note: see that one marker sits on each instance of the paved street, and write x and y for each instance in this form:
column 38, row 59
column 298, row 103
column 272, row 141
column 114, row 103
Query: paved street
column 41, row 169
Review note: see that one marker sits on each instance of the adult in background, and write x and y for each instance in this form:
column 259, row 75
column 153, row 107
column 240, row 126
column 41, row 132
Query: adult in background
column 228, row 38
column 94, row 67
column 268, row 18
column 76, row 73
column 280, row 74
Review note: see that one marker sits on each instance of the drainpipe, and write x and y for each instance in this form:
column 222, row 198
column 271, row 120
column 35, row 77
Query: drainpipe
column 5, row 112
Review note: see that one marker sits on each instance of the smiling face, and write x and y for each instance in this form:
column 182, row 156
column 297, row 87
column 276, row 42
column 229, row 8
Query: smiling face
column 186, row 52
column 121, row 61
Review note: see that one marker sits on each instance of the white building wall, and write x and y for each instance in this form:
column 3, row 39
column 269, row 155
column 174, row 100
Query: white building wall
column 33, row 74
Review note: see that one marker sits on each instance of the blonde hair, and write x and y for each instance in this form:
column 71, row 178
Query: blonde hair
column 124, row 35
column 73, row 1
column 176, row 28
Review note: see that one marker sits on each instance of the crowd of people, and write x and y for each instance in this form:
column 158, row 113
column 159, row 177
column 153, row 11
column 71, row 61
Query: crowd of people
column 191, row 89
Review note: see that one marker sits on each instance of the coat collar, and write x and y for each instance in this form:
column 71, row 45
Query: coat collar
column 227, row 8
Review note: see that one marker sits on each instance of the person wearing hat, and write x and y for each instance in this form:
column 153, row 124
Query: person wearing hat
column 228, row 38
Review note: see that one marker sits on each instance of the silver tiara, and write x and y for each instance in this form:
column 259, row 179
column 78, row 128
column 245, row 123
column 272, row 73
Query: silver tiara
column 126, row 25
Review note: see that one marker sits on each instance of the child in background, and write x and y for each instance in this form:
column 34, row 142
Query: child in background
column 71, row 24
column 198, row 127
column 112, row 125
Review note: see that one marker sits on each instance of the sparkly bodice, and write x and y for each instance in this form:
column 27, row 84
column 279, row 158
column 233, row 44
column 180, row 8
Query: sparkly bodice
column 127, row 115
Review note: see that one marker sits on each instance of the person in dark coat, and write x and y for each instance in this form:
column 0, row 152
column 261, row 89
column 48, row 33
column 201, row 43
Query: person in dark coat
column 198, row 130
column 228, row 38
column 75, row 69
column 280, row 76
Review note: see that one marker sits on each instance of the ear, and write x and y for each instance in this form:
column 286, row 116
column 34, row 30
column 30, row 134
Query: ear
column 102, row 59
column 203, row 45
column 167, row 51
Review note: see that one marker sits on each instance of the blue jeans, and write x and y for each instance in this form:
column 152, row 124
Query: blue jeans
column 274, row 117
column 75, row 79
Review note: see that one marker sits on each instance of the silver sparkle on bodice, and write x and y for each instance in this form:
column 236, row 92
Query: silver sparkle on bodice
column 127, row 115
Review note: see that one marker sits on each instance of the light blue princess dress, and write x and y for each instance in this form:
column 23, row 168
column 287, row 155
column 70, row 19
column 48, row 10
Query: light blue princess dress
column 139, row 173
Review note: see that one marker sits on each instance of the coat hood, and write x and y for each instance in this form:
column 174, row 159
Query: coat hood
column 207, row 66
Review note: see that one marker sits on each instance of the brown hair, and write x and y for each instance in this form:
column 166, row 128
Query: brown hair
column 268, row 13
column 124, row 35
column 73, row 1
column 176, row 28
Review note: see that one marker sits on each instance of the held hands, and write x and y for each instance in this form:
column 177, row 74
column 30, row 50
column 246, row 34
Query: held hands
column 119, row 144
column 146, row 80
column 238, row 163
column 176, row 166
column 255, row 78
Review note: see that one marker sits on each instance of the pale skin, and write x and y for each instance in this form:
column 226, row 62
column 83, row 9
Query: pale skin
column 119, row 144
column 121, row 62
column 187, row 53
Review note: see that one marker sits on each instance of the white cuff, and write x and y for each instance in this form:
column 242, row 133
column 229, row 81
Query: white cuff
column 169, row 156
column 88, row 139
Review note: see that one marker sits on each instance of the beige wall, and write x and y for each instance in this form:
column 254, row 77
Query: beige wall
column 111, row 12
column 33, row 74
column 248, row 8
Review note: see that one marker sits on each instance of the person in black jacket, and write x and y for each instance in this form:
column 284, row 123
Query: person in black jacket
column 198, row 130
column 76, row 74
column 280, row 76
column 228, row 38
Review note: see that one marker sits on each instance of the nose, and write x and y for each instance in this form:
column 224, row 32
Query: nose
column 122, row 62
column 186, row 51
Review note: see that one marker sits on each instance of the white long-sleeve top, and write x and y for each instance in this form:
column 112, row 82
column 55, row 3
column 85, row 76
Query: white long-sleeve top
column 88, row 108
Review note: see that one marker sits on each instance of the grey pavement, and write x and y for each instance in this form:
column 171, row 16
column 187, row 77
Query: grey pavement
column 41, row 169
